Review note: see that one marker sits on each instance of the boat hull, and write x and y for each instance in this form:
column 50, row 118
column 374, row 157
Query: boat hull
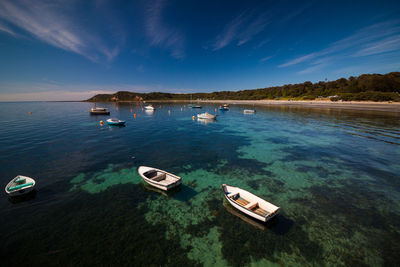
column 206, row 116
column 245, row 210
column 99, row 112
column 116, row 123
column 21, row 191
column 156, row 184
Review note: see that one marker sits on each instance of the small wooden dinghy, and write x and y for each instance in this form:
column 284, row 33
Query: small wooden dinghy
column 20, row 185
column 115, row 122
column 159, row 178
column 250, row 204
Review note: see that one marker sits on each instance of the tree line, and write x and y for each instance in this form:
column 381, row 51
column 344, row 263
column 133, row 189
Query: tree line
column 366, row 87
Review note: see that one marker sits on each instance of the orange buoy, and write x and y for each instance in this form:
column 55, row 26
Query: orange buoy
column 134, row 115
column 193, row 117
column 30, row 113
column 101, row 123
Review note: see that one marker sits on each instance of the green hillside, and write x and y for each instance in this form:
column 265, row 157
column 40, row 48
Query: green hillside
column 366, row 87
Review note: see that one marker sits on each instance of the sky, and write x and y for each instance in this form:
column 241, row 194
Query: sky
column 72, row 50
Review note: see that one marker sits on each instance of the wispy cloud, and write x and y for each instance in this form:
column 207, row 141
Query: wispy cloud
column 241, row 29
column 387, row 45
column 266, row 58
column 48, row 22
column 160, row 34
column 254, row 28
column 262, row 43
column 295, row 13
column 313, row 68
column 6, row 29
column 369, row 37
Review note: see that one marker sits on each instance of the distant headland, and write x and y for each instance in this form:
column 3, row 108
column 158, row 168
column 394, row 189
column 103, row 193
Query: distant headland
column 366, row 87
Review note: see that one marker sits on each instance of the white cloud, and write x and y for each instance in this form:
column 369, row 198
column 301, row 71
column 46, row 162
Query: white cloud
column 312, row 69
column 6, row 29
column 266, row 58
column 387, row 45
column 48, row 22
column 367, row 36
column 242, row 28
column 160, row 34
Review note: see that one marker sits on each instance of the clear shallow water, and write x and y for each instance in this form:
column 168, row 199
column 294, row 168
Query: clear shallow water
column 334, row 173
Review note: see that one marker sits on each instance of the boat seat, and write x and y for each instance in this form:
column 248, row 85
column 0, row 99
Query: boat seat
column 240, row 200
column 19, row 180
column 19, row 186
column 251, row 205
column 159, row 177
column 150, row 174
column 261, row 212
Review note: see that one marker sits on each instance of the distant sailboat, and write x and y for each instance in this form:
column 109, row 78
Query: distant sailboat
column 191, row 104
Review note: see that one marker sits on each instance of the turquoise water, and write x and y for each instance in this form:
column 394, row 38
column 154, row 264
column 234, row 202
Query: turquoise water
column 334, row 173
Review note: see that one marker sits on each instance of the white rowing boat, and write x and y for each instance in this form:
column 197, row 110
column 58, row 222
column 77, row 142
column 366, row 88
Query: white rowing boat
column 20, row 185
column 249, row 111
column 206, row 116
column 149, row 107
column 159, row 178
column 250, row 204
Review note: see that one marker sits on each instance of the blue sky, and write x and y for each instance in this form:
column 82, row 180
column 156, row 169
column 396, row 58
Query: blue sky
column 70, row 50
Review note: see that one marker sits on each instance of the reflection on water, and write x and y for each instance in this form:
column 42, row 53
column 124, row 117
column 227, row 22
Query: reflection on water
column 334, row 173
column 243, row 216
column 206, row 121
column 23, row 198
column 149, row 112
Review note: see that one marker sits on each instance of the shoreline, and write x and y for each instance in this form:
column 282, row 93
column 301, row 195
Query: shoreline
column 349, row 105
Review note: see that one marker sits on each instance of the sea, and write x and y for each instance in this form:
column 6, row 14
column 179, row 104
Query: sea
column 335, row 174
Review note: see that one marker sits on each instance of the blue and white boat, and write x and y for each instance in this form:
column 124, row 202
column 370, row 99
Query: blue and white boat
column 225, row 107
column 115, row 122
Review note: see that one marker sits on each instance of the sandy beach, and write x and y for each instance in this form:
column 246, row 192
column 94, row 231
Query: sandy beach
column 349, row 105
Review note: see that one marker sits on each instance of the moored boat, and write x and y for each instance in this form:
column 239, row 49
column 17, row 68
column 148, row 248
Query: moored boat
column 99, row 111
column 115, row 122
column 249, row 111
column 206, row 116
column 249, row 203
column 225, row 107
column 159, row 178
column 20, row 185
column 194, row 106
column 149, row 107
